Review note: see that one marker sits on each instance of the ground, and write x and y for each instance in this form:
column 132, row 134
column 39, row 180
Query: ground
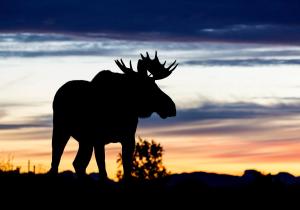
column 188, row 189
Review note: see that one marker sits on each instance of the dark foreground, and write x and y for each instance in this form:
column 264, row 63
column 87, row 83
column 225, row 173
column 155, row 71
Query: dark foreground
column 180, row 190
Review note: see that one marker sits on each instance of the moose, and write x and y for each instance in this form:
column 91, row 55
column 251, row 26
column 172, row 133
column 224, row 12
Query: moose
column 106, row 110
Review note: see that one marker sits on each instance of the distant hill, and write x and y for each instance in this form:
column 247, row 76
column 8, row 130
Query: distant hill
column 249, row 178
column 252, row 187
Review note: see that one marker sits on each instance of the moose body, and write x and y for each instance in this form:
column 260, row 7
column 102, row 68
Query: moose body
column 106, row 110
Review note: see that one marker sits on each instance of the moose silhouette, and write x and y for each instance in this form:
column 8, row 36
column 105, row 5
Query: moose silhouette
column 106, row 110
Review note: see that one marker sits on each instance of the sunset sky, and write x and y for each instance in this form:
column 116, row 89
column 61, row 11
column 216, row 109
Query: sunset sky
column 237, row 86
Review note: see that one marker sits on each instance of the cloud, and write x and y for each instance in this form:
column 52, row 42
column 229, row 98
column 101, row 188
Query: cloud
column 6, row 106
column 26, row 134
column 43, row 121
column 268, row 151
column 2, row 114
column 268, row 21
column 279, row 98
column 224, row 111
column 12, row 104
column 243, row 62
column 29, row 122
column 241, row 119
column 41, row 45
column 30, row 45
column 213, row 127
column 268, row 33
column 209, row 118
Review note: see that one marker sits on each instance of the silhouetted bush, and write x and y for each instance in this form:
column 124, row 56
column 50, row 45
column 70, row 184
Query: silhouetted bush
column 7, row 165
column 147, row 161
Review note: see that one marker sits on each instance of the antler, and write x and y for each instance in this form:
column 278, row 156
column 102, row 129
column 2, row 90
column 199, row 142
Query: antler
column 123, row 67
column 156, row 69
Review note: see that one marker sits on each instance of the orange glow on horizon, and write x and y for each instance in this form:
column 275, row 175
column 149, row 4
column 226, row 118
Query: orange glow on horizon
column 218, row 154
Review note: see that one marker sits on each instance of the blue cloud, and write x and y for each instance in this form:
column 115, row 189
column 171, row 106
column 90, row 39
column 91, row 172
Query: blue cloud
column 243, row 62
column 204, row 53
column 225, row 119
column 43, row 121
column 227, row 111
column 207, row 111
column 209, row 118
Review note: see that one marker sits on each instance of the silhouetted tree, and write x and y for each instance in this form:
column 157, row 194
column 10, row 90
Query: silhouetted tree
column 147, row 161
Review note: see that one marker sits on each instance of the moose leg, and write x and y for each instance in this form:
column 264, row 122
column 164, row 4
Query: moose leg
column 59, row 141
column 127, row 155
column 100, row 158
column 82, row 158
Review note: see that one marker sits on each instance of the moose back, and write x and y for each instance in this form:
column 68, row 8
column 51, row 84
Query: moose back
column 106, row 110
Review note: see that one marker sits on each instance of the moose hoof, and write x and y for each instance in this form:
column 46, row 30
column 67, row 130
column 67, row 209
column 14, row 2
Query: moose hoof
column 52, row 172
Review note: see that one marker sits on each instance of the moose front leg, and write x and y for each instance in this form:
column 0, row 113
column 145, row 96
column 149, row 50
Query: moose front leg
column 59, row 141
column 127, row 156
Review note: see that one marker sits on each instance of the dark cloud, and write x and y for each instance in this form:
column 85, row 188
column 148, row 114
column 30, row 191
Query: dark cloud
column 40, row 45
column 45, row 53
column 35, row 37
column 243, row 62
column 39, row 121
column 216, row 118
column 43, row 121
column 222, row 119
column 8, row 105
column 268, row 33
column 244, row 51
column 288, row 99
column 205, row 53
column 234, row 20
column 227, row 111
column 4, row 106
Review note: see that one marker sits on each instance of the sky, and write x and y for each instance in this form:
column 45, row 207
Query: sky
column 236, row 87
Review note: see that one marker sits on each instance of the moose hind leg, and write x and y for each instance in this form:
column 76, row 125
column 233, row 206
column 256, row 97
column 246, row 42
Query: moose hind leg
column 83, row 158
column 59, row 141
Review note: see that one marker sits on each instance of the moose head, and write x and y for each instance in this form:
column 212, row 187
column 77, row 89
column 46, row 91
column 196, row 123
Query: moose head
column 153, row 99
